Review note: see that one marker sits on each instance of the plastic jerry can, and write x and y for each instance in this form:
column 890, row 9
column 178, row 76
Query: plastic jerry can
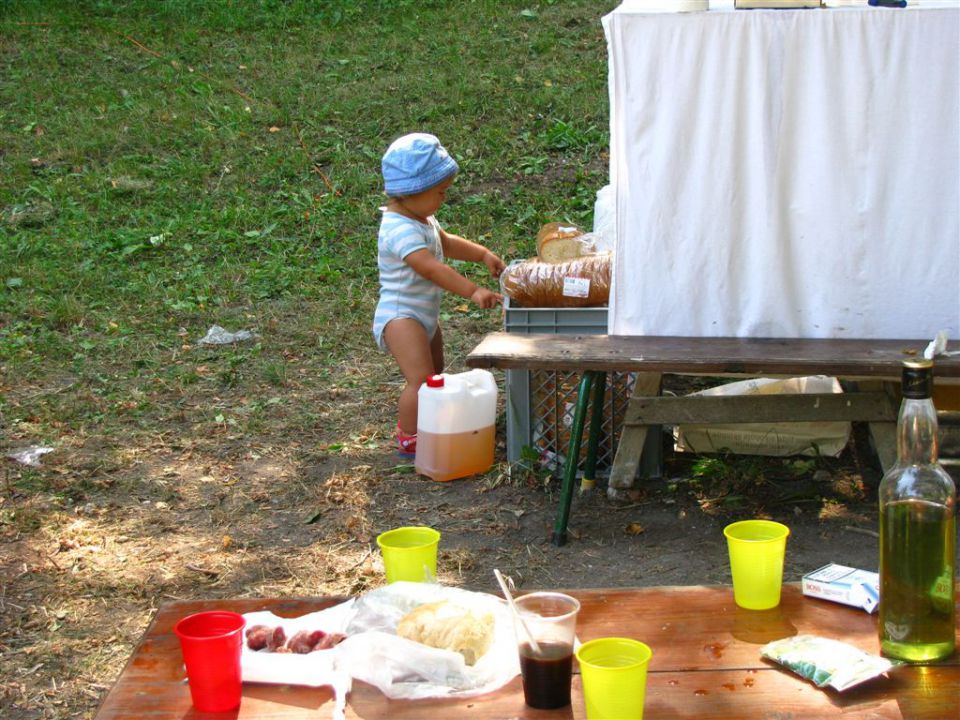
column 456, row 415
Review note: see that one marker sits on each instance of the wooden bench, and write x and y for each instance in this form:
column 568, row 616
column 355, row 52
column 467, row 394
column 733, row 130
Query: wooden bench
column 875, row 365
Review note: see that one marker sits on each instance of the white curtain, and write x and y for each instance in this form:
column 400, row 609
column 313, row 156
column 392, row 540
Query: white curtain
column 788, row 173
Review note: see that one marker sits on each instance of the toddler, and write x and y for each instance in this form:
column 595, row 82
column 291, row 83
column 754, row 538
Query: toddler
column 411, row 248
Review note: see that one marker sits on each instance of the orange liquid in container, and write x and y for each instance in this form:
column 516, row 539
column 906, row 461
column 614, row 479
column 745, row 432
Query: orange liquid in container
column 456, row 417
column 448, row 456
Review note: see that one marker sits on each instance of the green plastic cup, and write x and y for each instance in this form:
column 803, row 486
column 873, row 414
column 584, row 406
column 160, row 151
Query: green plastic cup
column 409, row 553
column 614, row 675
column 756, row 551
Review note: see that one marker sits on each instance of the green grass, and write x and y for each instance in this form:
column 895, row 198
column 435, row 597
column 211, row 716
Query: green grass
column 168, row 165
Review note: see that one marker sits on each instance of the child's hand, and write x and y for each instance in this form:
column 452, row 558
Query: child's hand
column 486, row 298
column 493, row 263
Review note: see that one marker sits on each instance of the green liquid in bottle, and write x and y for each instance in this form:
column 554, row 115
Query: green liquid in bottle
column 917, row 551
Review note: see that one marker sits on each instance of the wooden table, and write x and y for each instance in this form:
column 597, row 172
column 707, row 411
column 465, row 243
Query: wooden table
column 706, row 664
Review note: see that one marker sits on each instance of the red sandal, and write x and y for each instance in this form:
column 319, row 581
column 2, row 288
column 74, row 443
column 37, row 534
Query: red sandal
column 406, row 444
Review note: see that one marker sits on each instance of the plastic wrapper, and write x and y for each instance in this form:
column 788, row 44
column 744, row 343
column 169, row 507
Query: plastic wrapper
column 583, row 282
column 826, row 662
column 216, row 335
column 938, row 346
column 373, row 653
column 29, row 456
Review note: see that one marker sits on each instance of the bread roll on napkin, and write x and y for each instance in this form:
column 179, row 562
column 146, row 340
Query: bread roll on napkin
column 448, row 626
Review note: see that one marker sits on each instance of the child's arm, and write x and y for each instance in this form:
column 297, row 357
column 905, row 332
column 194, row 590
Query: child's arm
column 426, row 265
column 458, row 248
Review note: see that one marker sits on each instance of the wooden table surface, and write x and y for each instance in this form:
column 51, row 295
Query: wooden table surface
column 706, row 664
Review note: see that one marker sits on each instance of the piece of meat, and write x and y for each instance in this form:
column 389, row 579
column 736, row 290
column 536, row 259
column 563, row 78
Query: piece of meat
column 304, row 641
column 277, row 639
column 258, row 636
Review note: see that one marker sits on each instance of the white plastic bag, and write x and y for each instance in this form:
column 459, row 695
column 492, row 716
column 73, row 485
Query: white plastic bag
column 605, row 220
column 771, row 439
column 373, row 653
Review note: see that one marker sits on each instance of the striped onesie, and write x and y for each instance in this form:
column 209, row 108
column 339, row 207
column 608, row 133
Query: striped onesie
column 403, row 292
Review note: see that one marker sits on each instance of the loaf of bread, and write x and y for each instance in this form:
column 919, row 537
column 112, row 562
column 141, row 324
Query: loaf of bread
column 582, row 282
column 558, row 243
column 448, row 626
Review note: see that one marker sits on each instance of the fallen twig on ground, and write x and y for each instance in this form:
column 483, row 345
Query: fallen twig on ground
column 862, row 531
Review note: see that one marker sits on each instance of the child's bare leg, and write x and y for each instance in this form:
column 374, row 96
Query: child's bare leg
column 408, row 343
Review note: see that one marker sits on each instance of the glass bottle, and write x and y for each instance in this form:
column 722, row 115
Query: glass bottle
column 917, row 533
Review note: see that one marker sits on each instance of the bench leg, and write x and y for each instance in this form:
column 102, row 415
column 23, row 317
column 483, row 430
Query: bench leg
column 596, row 428
column 633, row 438
column 884, row 434
column 573, row 456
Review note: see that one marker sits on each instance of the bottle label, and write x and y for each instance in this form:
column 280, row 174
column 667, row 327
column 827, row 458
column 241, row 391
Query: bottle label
column 576, row 287
column 917, row 381
column 941, row 594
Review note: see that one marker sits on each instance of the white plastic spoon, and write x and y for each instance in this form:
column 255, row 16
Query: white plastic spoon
column 516, row 613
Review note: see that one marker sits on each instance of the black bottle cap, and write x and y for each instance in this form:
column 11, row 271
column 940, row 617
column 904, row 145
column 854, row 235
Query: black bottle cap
column 917, row 382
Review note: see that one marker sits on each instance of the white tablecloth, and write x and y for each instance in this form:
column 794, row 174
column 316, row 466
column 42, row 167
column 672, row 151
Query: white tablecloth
column 791, row 173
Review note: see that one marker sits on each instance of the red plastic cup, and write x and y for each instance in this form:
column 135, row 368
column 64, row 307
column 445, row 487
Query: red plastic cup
column 211, row 643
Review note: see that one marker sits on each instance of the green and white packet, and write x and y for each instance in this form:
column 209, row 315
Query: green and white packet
column 825, row 661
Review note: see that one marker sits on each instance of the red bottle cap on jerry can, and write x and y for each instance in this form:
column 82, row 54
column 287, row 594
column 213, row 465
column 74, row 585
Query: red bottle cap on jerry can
column 435, row 381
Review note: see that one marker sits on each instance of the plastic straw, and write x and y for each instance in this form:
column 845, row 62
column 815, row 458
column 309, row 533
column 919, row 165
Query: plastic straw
column 516, row 613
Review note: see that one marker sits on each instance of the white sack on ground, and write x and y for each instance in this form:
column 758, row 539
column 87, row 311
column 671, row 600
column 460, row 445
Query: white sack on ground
column 772, row 439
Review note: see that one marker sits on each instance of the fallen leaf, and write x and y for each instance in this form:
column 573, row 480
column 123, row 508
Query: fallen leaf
column 463, row 308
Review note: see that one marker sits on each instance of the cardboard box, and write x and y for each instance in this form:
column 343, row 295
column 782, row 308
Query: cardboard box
column 846, row 585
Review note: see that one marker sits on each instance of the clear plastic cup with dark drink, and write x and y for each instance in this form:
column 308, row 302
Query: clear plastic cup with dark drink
column 545, row 633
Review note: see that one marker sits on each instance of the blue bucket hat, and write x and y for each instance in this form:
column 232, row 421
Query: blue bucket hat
column 414, row 163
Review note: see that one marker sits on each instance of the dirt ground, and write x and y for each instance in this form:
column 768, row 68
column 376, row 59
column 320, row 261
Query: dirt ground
column 111, row 527
column 667, row 532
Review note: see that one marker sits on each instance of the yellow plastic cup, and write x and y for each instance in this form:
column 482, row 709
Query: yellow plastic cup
column 614, row 675
column 409, row 553
column 756, row 551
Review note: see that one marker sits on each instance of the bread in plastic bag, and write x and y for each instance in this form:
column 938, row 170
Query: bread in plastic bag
column 557, row 243
column 582, row 282
column 373, row 653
